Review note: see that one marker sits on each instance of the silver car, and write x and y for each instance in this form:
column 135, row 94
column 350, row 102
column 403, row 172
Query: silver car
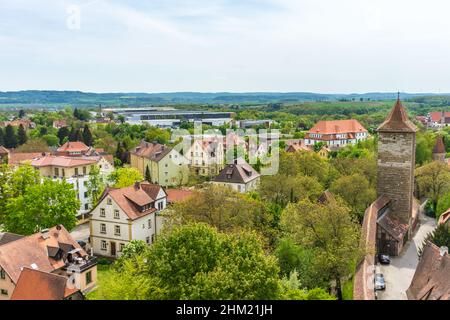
column 380, row 284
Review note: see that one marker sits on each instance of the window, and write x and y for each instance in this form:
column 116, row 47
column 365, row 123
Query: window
column 167, row 165
column 85, row 183
column 57, row 172
column 103, row 245
column 63, row 172
column 116, row 214
column 153, row 238
column 149, row 223
column 2, row 274
column 4, row 292
column 117, row 230
column 103, row 228
column 160, row 205
column 147, row 240
column 109, row 201
column 86, row 206
column 84, row 171
column 122, row 246
column 76, row 171
column 85, row 194
column 88, row 277
column 102, row 213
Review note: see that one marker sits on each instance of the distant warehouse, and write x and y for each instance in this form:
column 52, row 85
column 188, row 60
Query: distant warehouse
column 169, row 117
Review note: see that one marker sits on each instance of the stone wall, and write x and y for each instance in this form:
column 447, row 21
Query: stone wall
column 396, row 162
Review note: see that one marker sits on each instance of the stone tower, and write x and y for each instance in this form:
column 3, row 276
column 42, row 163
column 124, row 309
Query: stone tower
column 396, row 162
column 439, row 150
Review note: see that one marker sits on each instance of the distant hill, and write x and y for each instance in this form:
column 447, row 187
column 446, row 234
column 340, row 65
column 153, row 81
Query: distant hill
column 34, row 98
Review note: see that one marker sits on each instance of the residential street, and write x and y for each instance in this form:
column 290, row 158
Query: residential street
column 81, row 232
column 399, row 273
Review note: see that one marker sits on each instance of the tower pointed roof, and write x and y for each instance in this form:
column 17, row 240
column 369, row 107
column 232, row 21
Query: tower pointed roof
column 439, row 147
column 398, row 120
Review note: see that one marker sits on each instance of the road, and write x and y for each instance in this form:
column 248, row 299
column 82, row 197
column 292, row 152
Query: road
column 399, row 273
column 81, row 232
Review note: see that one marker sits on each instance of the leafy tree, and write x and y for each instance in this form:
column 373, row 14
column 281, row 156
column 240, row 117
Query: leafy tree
column 440, row 237
column 433, row 180
column 95, row 185
column 42, row 206
column 425, row 142
column 63, row 133
column 21, row 114
column 206, row 264
column 148, row 176
column 132, row 252
column 87, row 136
column 22, row 178
column 443, row 205
column 122, row 153
column 125, row 177
column 51, row 140
column 292, row 290
column 2, row 137
column 225, row 209
column 5, row 188
column 10, row 137
column 356, row 191
column 159, row 135
column 34, row 145
column 22, row 135
column 331, row 231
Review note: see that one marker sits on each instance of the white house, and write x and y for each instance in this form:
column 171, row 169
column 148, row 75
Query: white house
column 239, row 176
column 126, row 214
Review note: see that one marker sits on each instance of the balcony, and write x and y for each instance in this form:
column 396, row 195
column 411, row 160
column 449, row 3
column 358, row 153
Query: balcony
column 81, row 265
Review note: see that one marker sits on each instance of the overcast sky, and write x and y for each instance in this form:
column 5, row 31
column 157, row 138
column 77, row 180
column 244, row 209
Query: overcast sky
column 225, row 45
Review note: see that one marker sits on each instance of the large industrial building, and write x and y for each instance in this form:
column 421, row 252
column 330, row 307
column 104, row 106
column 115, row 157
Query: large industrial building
column 170, row 117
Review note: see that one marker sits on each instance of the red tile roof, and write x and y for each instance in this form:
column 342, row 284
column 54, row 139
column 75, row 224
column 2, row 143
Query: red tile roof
column 439, row 147
column 75, row 146
column 33, row 250
column 337, row 127
column 397, row 120
column 152, row 151
column 59, row 161
column 431, row 280
column 178, row 195
column 436, row 116
column 17, row 158
column 130, row 197
column 39, row 285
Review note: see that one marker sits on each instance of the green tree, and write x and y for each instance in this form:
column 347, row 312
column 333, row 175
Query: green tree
column 22, row 178
column 161, row 136
column 443, row 205
column 51, row 140
column 42, row 206
column 95, row 185
column 34, row 145
column 87, row 136
column 148, row 176
column 433, row 180
column 5, row 188
column 10, row 137
column 330, row 229
column 356, row 191
column 63, row 133
column 439, row 236
column 125, row 177
column 2, row 137
column 22, row 135
column 291, row 287
column 206, row 264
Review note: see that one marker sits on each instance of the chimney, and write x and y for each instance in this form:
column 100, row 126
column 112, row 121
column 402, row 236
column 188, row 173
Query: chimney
column 443, row 251
column 45, row 233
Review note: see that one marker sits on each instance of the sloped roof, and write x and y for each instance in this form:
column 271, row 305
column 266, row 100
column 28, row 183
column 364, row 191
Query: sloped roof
column 61, row 161
column 240, row 172
column 337, row 127
column 73, row 146
column 151, row 151
column 436, row 116
column 431, row 280
column 439, row 147
column 178, row 195
column 397, row 120
column 393, row 226
column 8, row 237
column 130, row 197
column 17, row 158
column 39, row 285
column 33, row 250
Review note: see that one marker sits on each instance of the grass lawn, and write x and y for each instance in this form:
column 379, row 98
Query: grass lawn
column 103, row 271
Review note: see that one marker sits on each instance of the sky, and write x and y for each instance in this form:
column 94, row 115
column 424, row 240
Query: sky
column 326, row 46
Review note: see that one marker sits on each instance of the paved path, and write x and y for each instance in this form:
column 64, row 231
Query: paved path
column 399, row 273
column 81, row 232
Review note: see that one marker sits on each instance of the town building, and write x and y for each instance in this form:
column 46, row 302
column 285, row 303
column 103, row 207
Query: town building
column 167, row 166
column 27, row 124
column 58, row 124
column 169, row 117
column 126, row 214
column 438, row 119
column 244, row 124
column 395, row 181
column 297, row 145
column 439, row 150
column 52, row 251
column 206, row 156
column 336, row 133
column 431, row 280
column 239, row 176
column 75, row 170
column 38, row 285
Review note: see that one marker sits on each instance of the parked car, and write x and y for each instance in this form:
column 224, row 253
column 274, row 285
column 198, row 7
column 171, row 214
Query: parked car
column 380, row 284
column 384, row 259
